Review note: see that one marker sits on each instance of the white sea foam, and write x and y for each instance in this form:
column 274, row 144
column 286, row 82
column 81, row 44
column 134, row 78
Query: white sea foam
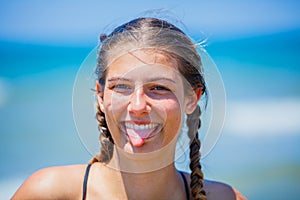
column 267, row 117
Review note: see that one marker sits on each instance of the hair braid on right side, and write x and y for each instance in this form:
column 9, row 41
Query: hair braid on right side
column 197, row 178
column 105, row 138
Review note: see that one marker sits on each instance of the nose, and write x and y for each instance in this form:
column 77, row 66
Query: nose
column 138, row 104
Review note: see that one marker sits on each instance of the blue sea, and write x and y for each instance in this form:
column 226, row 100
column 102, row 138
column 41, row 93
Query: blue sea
column 258, row 151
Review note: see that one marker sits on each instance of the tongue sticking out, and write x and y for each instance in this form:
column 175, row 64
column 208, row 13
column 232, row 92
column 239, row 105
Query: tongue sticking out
column 136, row 140
column 138, row 137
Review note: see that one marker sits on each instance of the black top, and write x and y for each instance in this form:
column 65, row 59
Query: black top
column 86, row 176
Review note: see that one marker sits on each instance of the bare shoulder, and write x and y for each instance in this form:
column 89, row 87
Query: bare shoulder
column 62, row 182
column 219, row 190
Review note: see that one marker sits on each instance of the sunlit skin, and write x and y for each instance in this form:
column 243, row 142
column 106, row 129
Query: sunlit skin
column 145, row 91
column 144, row 101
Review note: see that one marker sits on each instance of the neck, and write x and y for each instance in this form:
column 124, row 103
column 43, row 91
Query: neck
column 148, row 175
column 143, row 162
column 164, row 183
column 156, row 184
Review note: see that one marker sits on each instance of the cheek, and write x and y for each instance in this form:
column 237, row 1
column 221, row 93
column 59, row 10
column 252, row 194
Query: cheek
column 173, row 112
column 114, row 103
column 174, row 117
column 114, row 107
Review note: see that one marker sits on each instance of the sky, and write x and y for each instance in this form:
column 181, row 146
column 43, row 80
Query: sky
column 77, row 22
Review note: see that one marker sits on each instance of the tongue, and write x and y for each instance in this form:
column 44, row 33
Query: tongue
column 135, row 139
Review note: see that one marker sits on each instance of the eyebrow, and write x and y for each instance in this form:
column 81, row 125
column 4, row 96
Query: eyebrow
column 161, row 78
column 113, row 79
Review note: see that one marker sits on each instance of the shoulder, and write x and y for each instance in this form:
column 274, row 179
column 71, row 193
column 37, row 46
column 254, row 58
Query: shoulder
column 53, row 183
column 218, row 190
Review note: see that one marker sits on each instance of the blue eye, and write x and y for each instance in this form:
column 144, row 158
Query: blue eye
column 121, row 86
column 160, row 88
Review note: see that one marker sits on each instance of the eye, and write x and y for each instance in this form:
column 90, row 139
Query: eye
column 159, row 88
column 121, row 88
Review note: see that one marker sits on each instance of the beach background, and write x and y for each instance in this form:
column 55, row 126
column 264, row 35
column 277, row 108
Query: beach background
column 255, row 44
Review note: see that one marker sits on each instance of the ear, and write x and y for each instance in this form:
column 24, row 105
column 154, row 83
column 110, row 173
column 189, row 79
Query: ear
column 192, row 100
column 99, row 92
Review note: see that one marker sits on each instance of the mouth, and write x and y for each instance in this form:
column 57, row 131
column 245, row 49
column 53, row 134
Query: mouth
column 139, row 132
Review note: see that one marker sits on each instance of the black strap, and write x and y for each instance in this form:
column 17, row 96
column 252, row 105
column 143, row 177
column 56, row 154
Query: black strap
column 186, row 187
column 86, row 177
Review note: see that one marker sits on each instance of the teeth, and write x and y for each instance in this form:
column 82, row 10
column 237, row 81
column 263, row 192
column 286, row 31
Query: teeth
column 140, row 127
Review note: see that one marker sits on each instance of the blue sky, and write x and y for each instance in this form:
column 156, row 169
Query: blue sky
column 77, row 22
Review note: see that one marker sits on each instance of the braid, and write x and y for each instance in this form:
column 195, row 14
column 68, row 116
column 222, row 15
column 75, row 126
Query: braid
column 105, row 138
column 197, row 178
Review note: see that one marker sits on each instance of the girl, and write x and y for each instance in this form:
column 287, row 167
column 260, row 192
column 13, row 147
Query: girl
column 149, row 76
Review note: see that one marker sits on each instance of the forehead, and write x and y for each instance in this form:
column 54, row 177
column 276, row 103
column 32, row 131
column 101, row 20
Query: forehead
column 140, row 63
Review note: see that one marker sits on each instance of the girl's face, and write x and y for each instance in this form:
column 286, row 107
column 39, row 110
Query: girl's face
column 144, row 100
